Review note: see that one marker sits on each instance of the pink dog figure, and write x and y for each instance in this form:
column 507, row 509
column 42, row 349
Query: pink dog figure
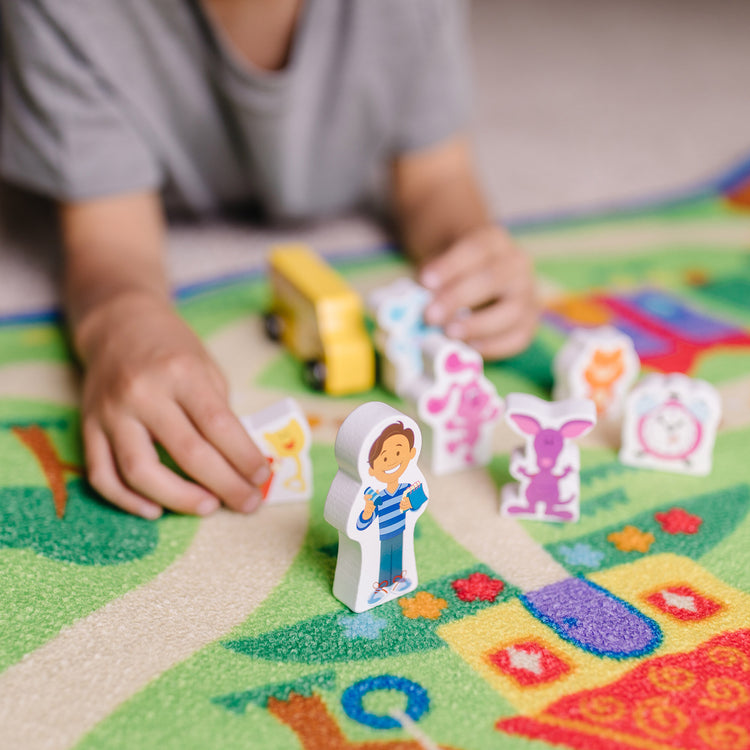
column 457, row 405
column 548, row 466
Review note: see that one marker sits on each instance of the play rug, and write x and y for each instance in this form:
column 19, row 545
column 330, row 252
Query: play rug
column 223, row 633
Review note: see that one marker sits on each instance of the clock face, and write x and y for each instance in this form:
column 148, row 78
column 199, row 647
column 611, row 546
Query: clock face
column 669, row 431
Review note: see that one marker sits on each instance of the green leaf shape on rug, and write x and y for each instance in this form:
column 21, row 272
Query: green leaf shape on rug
column 238, row 702
column 332, row 637
column 605, row 502
column 603, row 471
column 90, row 533
column 720, row 512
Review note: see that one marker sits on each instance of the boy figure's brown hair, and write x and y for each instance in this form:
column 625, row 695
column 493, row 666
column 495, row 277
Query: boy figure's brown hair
column 392, row 429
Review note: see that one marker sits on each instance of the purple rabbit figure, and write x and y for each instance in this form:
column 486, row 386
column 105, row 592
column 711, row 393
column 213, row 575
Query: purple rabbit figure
column 544, row 485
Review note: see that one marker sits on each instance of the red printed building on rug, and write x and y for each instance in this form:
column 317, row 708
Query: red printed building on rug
column 691, row 701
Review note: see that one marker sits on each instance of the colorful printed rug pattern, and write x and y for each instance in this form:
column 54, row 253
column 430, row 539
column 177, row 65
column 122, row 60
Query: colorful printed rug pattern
column 223, row 632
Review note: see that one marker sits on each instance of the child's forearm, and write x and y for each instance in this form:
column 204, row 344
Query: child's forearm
column 114, row 251
column 438, row 199
column 148, row 379
column 482, row 283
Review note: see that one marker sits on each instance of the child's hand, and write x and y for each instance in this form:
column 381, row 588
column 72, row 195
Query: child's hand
column 149, row 380
column 483, row 287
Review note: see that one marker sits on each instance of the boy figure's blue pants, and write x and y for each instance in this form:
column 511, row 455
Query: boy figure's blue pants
column 391, row 558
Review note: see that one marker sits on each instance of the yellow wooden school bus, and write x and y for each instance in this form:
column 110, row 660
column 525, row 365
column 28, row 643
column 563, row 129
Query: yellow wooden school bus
column 320, row 319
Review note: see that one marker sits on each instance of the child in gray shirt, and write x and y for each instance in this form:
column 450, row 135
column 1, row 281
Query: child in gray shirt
column 281, row 108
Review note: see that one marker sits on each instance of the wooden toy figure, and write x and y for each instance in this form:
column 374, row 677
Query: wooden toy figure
column 548, row 466
column 282, row 433
column 398, row 309
column 374, row 501
column 670, row 424
column 457, row 405
column 597, row 363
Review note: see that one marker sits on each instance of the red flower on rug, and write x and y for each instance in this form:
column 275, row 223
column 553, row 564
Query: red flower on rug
column 477, row 586
column 678, row 521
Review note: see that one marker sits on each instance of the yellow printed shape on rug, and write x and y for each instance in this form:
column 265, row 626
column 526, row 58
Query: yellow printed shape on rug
column 660, row 586
column 532, row 667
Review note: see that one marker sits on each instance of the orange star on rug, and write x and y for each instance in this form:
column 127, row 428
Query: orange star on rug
column 424, row 605
column 632, row 539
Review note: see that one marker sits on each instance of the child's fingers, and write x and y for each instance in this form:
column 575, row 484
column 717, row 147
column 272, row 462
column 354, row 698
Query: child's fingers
column 517, row 306
column 449, row 278
column 500, row 331
column 198, row 458
column 494, row 320
column 216, row 422
column 503, row 346
column 465, row 292
column 484, row 267
column 103, row 476
column 139, row 467
column 464, row 256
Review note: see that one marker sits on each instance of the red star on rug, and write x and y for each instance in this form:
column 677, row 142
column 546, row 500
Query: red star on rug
column 678, row 521
column 477, row 586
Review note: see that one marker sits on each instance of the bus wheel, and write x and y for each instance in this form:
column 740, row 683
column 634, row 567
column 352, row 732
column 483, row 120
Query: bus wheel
column 272, row 324
column 315, row 374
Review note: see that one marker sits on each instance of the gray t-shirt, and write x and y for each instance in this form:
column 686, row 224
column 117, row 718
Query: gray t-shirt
column 111, row 96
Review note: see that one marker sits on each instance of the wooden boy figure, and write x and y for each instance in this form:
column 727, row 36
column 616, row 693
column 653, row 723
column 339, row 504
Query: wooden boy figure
column 376, row 445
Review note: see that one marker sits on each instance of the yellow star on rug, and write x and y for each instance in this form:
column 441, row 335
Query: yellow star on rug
column 424, row 605
column 632, row 539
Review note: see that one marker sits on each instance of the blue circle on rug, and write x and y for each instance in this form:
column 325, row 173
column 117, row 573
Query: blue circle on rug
column 417, row 700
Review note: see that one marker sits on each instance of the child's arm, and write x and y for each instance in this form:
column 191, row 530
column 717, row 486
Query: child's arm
column 147, row 377
column 483, row 284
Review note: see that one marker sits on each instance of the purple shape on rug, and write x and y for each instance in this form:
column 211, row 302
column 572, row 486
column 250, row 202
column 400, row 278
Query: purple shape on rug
column 593, row 619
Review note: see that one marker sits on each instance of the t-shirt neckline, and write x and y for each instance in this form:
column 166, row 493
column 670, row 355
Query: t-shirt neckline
column 243, row 71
